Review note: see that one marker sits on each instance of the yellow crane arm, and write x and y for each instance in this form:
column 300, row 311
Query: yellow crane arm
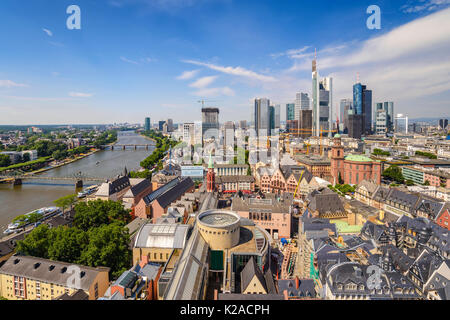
column 299, row 180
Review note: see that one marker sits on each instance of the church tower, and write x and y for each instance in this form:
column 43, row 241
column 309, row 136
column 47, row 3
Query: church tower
column 337, row 160
column 210, row 176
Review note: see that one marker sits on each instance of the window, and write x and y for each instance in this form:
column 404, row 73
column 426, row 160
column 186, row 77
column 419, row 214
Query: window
column 96, row 290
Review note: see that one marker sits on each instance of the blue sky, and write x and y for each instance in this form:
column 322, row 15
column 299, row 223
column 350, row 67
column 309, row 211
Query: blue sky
column 158, row 58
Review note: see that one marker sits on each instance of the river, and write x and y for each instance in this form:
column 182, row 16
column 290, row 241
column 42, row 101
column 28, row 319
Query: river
column 35, row 194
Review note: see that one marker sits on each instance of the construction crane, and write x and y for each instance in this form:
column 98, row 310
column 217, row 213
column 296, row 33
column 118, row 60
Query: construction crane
column 203, row 102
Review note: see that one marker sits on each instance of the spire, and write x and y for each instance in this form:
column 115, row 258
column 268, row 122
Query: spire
column 211, row 163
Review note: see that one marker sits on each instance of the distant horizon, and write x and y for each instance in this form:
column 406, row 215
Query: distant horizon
column 419, row 119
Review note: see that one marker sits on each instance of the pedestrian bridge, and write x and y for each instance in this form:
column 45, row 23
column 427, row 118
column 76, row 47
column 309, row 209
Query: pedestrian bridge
column 128, row 147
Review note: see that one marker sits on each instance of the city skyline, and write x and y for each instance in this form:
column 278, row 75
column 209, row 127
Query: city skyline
column 124, row 72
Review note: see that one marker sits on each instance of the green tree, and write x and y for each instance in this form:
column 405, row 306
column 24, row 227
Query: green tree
column 5, row 160
column 36, row 243
column 67, row 244
column 394, row 173
column 26, row 157
column 66, row 201
column 427, row 183
column 409, row 182
column 108, row 246
column 96, row 213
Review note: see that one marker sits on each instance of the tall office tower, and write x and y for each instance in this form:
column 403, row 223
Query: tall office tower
column 305, row 123
column 443, row 123
column 277, row 117
column 161, row 125
column 355, row 123
column 381, row 124
column 198, row 133
column 322, row 101
column 169, row 125
column 188, row 133
column 147, row 124
column 290, row 111
column 302, row 102
column 362, row 105
column 389, row 108
column 228, row 134
column 345, row 105
column 210, row 122
column 326, row 105
column 315, row 98
column 272, row 119
column 243, row 124
column 261, row 117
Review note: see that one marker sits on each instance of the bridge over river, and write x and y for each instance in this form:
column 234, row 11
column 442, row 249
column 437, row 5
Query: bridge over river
column 78, row 180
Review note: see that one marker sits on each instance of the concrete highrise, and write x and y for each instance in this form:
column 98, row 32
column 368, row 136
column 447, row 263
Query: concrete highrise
column 261, row 117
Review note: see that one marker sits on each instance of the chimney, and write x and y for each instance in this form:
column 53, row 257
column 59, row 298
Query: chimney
column 297, row 283
column 216, row 294
column 285, row 293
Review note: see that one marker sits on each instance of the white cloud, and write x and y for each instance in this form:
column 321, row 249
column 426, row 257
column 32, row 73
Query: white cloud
column 186, row 75
column 290, row 53
column 48, row 32
column 214, row 92
column 80, row 94
column 203, row 82
column 128, row 60
column 235, row 71
column 11, row 84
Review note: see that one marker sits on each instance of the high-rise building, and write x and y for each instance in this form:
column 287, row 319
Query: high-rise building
column 277, row 117
column 389, row 108
column 243, row 124
column 345, row 105
column 210, row 122
column 189, row 133
column 228, row 134
column 322, row 98
column 169, row 125
column 381, row 124
column 261, row 117
column 305, row 123
column 302, row 102
column 362, row 105
column 290, row 111
column 161, row 125
column 147, row 124
column 355, row 123
column 443, row 123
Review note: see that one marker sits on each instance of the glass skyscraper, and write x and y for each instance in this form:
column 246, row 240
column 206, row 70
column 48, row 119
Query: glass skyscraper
column 261, row 116
column 290, row 111
column 362, row 104
column 147, row 124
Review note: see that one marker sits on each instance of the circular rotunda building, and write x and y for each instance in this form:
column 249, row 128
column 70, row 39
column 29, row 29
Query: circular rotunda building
column 219, row 228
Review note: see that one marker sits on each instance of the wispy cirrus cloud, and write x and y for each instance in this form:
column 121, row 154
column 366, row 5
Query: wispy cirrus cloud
column 11, row 84
column 137, row 62
column 214, row 92
column 48, row 32
column 290, row 53
column 424, row 5
column 80, row 94
column 203, row 82
column 128, row 60
column 186, row 75
column 235, row 71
